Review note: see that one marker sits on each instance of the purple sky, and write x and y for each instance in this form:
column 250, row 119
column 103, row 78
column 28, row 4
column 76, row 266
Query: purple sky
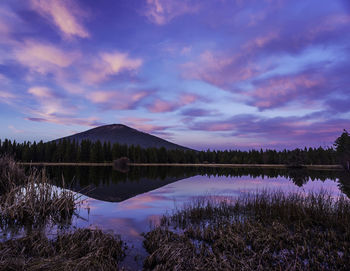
column 205, row 74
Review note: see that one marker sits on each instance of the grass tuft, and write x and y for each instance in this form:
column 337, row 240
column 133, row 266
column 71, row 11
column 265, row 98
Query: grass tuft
column 11, row 174
column 265, row 231
column 84, row 249
column 36, row 203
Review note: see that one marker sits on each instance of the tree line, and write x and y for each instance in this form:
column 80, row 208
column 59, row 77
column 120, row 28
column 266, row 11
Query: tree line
column 87, row 151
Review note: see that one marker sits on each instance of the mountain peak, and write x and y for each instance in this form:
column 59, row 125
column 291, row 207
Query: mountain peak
column 122, row 134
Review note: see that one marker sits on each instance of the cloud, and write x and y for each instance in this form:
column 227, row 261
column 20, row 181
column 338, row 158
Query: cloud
column 44, row 58
column 15, row 130
column 4, row 28
column 117, row 99
column 91, row 121
column 162, row 106
column 276, row 132
column 163, row 11
column 54, row 108
column 144, row 124
column 108, row 64
column 220, row 69
column 186, row 50
column 196, row 112
column 42, row 92
column 4, row 95
column 7, row 97
column 280, row 90
column 65, row 14
column 50, row 104
column 337, row 105
column 9, row 21
column 259, row 48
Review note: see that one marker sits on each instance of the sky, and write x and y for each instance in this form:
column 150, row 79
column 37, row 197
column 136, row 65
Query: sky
column 218, row 74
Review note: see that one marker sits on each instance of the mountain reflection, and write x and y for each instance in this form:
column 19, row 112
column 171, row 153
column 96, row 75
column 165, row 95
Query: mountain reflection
column 104, row 183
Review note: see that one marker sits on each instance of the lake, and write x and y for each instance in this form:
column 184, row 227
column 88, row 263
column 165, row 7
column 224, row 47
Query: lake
column 130, row 203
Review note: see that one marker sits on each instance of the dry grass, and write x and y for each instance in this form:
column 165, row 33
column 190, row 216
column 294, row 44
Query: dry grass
column 83, row 249
column 268, row 231
column 11, row 174
column 36, row 203
column 32, row 203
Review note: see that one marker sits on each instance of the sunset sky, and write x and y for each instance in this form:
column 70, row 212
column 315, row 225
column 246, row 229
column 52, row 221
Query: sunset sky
column 236, row 74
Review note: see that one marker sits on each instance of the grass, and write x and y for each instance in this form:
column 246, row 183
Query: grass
column 84, row 249
column 11, row 174
column 35, row 203
column 266, row 231
column 30, row 202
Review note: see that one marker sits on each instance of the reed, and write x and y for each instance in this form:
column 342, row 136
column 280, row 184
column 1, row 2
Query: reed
column 31, row 202
column 265, row 231
column 36, row 203
column 84, row 249
column 11, row 174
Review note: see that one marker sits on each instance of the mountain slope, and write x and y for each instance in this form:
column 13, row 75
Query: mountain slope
column 122, row 134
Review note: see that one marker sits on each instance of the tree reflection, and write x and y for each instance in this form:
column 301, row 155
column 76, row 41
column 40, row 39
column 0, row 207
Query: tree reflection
column 105, row 183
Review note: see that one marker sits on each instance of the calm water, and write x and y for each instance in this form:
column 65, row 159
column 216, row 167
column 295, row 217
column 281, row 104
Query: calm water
column 128, row 203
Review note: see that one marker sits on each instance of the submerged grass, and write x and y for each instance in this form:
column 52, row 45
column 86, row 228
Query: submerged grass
column 266, row 231
column 84, row 249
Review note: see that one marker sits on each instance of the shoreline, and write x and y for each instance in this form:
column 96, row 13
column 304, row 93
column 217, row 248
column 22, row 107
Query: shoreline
column 278, row 166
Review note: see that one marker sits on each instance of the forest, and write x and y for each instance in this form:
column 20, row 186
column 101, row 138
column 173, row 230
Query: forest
column 87, row 151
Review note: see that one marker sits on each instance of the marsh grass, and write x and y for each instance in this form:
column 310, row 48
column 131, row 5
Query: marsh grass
column 265, row 231
column 36, row 203
column 84, row 249
column 11, row 174
column 29, row 204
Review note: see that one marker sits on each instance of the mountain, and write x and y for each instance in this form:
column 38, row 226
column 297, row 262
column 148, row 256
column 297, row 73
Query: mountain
column 122, row 134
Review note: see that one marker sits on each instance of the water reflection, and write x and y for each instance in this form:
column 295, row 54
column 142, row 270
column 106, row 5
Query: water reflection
column 104, row 183
column 127, row 203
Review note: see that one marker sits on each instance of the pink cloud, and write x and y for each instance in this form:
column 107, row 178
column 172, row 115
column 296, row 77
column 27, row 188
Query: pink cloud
column 144, row 124
column 276, row 132
column 260, row 41
column 188, row 99
column 54, row 108
column 186, row 50
column 248, row 58
column 329, row 23
column 117, row 99
column 4, row 28
column 160, row 106
column 277, row 91
column 50, row 104
column 220, row 127
column 41, row 92
column 65, row 14
column 163, row 11
column 221, row 69
column 108, row 64
column 91, row 121
column 15, row 130
column 5, row 95
column 9, row 21
column 101, row 96
column 43, row 57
